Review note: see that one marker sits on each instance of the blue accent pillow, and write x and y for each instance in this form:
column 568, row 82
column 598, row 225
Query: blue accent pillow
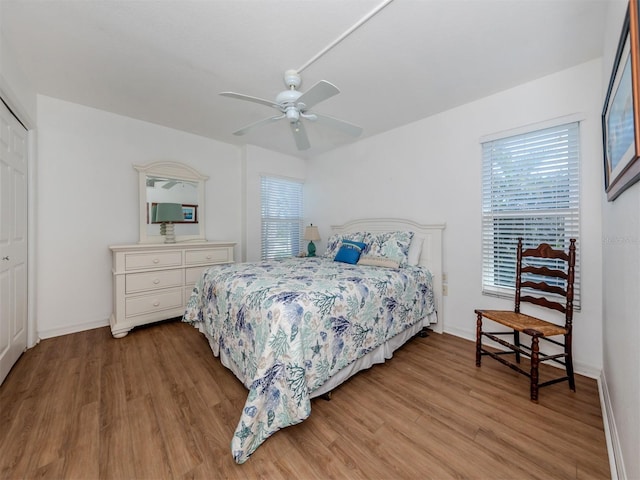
column 349, row 252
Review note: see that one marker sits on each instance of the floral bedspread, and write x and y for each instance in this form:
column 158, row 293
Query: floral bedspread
column 289, row 325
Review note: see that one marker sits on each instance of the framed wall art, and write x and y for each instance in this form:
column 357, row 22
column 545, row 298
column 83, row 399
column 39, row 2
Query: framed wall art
column 190, row 213
column 621, row 113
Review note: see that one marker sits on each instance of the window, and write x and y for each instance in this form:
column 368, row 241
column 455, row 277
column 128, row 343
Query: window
column 281, row 201
column 530, row 189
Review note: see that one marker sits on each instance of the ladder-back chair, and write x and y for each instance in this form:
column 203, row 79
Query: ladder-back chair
column 533, row 280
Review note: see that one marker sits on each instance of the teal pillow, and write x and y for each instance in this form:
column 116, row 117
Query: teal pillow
column 349, row 252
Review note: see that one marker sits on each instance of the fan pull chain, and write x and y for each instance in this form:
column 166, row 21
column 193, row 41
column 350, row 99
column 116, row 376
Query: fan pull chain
column 364, row 20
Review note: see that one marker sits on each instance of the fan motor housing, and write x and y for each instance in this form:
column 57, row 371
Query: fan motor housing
column 288, row 97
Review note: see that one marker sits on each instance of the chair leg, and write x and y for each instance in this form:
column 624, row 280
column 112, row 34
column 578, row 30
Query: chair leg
column 535, row 361
column 516, row 342
column 568, row 360
column 479, row 340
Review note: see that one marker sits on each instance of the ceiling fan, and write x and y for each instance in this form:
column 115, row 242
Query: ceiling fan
column 294, row 105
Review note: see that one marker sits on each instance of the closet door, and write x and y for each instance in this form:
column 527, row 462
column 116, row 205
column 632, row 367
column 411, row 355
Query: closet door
column 13, row 240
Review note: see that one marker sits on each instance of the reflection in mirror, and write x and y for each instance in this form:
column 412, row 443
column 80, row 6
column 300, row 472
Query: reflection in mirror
column 170, row 190
column 171, row 182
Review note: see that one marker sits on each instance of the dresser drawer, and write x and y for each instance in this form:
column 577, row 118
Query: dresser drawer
column 165, row 300
column 136, row 261
column 140, row 282
column 208, row 255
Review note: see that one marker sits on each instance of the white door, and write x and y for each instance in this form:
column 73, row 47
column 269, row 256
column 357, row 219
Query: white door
column 13, row 240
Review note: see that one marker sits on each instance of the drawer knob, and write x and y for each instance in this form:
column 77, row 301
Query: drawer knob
column 156, row 281
column 208, row 257
column 156, row 260
column 156, row 303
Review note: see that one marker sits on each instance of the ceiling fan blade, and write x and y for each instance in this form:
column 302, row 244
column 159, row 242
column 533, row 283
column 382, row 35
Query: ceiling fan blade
column 259, row 123
column 346, row 127
column 318, row 93
column 249, row 98
column 300, row 136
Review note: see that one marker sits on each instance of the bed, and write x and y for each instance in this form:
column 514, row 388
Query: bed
column 294, row 329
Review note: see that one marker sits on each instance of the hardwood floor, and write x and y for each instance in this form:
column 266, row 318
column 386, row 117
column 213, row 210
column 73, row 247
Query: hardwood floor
column 157, row 404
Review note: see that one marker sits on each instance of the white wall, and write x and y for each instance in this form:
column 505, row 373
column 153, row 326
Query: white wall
column 88, row 199
column 258, row 162
column 621, row 280
column 429, row 171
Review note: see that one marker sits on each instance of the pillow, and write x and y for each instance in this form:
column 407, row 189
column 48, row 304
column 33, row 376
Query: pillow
column 392, row 245
column 378, row 261
column 415, row 250
column 349, row 252
column 335, row 240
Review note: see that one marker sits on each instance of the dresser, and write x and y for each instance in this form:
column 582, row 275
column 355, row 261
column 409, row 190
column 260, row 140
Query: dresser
column 153, row 282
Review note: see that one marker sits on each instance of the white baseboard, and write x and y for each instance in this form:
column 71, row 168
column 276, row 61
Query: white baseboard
column 614, row 448
column 80, row 327
column 458, row 332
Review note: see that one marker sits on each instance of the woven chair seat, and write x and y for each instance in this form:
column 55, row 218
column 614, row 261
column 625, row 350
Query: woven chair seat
column 521, row 322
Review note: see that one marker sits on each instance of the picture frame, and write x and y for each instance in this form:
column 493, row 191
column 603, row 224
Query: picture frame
column 621, row 112
column 190, row 213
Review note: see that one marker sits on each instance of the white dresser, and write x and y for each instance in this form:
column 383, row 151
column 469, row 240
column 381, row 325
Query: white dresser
column 153, row 282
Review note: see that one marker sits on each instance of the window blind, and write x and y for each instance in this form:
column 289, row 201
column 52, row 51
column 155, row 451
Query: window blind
column 282, row 220
column 530, row 189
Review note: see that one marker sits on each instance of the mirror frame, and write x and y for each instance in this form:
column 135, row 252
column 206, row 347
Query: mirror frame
column 173, row 170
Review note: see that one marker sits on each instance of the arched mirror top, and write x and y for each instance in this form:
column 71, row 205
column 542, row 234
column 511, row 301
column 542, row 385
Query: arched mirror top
column 171, row 182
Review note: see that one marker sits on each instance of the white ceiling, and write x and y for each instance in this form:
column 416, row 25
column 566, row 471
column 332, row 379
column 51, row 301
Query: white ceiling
column 165, row 61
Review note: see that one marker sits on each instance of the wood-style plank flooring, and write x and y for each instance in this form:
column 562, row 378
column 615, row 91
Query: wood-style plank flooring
column 156, row 404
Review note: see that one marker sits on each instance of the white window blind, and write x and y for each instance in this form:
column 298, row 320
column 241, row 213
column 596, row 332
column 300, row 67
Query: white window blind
column 530, row 189
column 281, row 201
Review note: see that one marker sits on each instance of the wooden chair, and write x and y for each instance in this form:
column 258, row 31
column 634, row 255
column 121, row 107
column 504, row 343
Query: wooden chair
column 546, row 280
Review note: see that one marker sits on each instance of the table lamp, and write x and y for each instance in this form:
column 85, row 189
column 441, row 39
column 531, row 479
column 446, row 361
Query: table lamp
column 311, row 233
column 166, row 214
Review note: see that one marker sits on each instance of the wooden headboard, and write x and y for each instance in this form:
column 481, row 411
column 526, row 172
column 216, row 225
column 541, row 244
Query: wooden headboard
column 430, row 257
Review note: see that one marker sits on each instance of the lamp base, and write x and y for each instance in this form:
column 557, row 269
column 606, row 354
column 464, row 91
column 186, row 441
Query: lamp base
column 169, row 233
column 311, row 249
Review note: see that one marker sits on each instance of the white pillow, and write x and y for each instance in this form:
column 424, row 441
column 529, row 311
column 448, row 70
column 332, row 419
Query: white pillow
column 415, row 249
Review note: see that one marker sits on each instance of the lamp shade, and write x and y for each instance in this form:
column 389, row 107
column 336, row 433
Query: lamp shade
column 169, row 212
column 311, row 233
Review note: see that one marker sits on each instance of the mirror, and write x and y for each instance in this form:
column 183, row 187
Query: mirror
column 171, row 182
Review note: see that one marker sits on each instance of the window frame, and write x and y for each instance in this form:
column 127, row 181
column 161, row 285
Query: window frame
column 513, row 207
column 272, row 219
